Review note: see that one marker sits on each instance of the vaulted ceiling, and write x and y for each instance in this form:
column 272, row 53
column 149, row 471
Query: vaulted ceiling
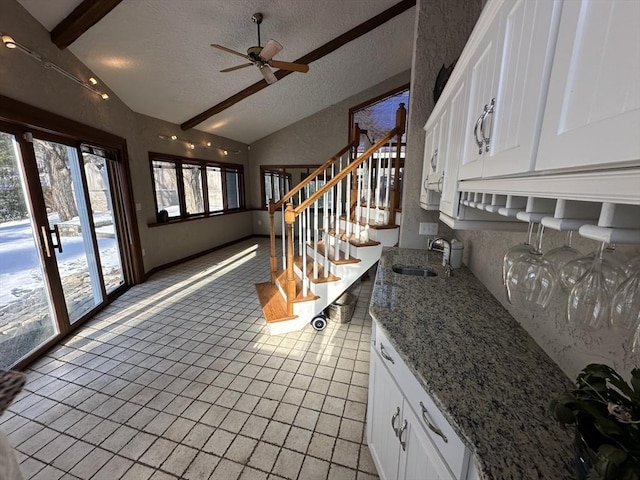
column 155, row 55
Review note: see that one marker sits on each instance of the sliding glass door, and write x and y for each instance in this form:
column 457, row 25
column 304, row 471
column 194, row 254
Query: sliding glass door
column 59, row 250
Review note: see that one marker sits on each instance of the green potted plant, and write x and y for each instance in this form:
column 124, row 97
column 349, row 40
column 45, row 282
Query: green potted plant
column 605, row 411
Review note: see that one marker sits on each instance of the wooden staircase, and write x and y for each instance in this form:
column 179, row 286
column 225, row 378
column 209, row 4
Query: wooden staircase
column 334, row 226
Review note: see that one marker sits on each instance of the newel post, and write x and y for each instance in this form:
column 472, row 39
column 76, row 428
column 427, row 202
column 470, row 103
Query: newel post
column 290, row 286
column 401, row 121
column 272, row 235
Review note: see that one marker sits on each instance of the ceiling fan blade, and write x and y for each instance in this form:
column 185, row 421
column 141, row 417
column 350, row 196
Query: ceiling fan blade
column 296, row 67
column 237, row 67
column 228, row 50
column 268, row 75
column 270, row 49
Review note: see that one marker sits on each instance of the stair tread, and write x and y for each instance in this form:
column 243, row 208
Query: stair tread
column 321, row 278
column 273, row 305
column 342, row 259
column 281, row 278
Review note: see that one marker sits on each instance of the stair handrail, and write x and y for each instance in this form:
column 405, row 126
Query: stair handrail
column 345, row 171
column 273, row 207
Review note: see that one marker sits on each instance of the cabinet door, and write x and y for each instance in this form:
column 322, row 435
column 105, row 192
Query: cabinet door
column 440, row 151
column 592, row 113
column 384, row 406
column 482, row 89
column 530, row 30
column 419, row 457
column 429, row 147
column 454, row 148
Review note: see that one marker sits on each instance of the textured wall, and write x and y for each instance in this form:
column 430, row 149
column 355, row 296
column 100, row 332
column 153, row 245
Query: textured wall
column 442, row 29
column 314, row 139
column 24, row 79
column 570, row 347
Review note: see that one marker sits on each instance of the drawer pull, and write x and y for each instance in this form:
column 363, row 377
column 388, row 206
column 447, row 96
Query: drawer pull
column 385, row 355
column 402, row 430
column 431, row 426
column 393, row 420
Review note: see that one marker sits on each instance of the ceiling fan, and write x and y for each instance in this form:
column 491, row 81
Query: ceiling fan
column 262, row 57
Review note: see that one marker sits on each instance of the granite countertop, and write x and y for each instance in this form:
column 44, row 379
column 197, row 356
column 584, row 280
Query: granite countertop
column 488, row 376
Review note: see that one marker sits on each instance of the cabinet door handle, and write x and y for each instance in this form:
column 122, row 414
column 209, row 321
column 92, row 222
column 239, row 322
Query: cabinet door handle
column 441, row 182
column 475, row 129
column 425, row 184
column 385, row 355
column 432, row 427
column 402, row 430
column 393, row 420
column 434, row 159
column 490, row 110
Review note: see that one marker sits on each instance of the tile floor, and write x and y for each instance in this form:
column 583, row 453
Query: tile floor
column 178, row 378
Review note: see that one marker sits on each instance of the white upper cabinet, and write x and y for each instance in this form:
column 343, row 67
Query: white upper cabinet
column 592, row 114
column 454, row 147
column 430, row 146
column 483, row 75
column 529, row 31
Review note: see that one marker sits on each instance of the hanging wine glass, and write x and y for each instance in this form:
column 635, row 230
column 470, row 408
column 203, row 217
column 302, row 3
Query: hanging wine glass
column 625, row 305
column 561, row 255
column 532, row 279
column 573, row 270
column 589, row 301
column 515, row 252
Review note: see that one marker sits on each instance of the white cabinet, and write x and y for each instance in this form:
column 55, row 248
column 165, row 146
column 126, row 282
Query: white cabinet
column 529, row 31
column 429, row 199
column 592, row 114
column 407, row 435
column 509, row 74
column 483, row 75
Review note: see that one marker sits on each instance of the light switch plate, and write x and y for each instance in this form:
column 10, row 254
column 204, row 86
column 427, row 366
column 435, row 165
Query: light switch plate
column 428, row 228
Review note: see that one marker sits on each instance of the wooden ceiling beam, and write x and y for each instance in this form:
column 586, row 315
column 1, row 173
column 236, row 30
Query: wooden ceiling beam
column 316, row 54
column 83, row 17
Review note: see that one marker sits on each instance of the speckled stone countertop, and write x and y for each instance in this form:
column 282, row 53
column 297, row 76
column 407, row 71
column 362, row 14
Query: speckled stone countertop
column 487, row 375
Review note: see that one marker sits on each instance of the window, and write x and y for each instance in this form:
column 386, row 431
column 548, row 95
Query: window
column 277, row 180
column 187, row 188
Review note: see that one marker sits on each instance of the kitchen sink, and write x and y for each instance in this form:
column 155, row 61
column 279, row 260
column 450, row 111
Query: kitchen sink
column 416, row 270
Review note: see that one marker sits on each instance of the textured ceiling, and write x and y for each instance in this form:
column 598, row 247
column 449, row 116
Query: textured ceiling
column 155, row 56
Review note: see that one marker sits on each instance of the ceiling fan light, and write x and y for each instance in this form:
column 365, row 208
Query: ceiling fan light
column 268, row 74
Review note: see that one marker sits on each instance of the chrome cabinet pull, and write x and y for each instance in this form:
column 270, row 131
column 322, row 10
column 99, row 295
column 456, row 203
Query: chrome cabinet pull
column 432, row 427
column 490, row 110
column 393, row 420
column 434, row 158
column 475, row 129
column 482, row 118
column 402, row 430
column 441, row 182
column 385, row 355
column 425, row 184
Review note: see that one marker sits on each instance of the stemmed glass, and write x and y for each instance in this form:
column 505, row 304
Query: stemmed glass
column 561, row 255
column 515, row 252
column 589, row 301
column 532, row 279
column 625, row 305
column 573, row 270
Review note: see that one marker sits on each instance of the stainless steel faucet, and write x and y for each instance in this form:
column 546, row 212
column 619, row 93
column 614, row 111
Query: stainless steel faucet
column 442, row 245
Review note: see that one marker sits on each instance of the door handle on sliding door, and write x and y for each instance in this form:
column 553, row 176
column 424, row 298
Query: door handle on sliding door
column 48, row 247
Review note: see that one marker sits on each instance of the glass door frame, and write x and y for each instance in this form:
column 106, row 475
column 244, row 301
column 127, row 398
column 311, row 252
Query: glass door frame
column 18, row 118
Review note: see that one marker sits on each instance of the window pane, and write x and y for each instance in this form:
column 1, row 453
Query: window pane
column 267, row 188
column 166, row 185
column 233, row 189
column 214, row 185
column 192, row 182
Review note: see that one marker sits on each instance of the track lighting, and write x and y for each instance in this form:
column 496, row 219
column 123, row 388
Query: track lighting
column 10, row 43
column 192, row 146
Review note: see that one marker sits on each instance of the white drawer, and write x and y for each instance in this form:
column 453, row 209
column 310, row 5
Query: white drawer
column 453, row 449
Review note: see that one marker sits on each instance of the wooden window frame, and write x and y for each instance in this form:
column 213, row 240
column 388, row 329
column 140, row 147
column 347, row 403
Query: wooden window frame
column 281, row 170
column 179, row 162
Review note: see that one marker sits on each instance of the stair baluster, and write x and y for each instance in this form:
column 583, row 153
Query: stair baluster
column 387, row 186
column 325, row 227
column 336, row 251
column 284, row 237
column 369, row 198
column 300, row 227
column 378, row 199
